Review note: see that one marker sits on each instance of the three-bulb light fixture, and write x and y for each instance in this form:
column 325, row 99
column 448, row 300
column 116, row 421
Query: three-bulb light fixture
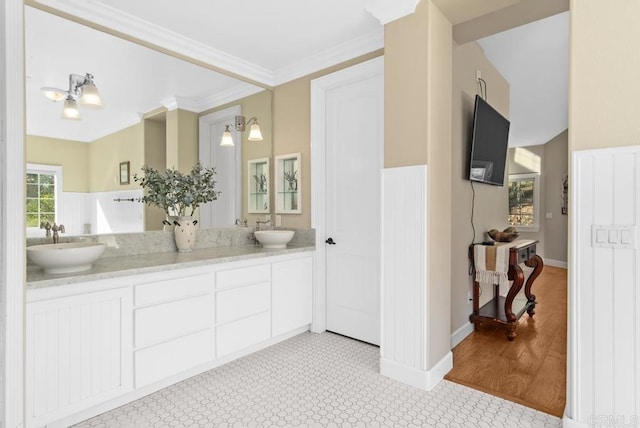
column 240, row 125
column 82, row 90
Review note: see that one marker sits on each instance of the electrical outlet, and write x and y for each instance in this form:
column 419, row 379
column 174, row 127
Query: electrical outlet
column 478, row 75
column 278, row 220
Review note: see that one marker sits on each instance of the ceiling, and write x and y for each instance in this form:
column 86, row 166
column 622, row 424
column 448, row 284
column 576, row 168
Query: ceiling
column 132, row 79
column 264, row 43
column 534, row 58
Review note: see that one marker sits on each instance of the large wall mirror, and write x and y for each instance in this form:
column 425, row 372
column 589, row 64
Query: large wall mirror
column 157, row 111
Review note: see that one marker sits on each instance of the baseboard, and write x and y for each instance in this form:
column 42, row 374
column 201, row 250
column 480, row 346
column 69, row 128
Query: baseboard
column 417, row 378
column 459, row 335
column 555, row 263
column 567, row 422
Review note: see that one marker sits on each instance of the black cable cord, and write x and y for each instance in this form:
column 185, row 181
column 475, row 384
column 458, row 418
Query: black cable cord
column 473, row 227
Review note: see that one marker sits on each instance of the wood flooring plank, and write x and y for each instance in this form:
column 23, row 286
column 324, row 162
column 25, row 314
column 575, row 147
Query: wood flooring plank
column 531, row 370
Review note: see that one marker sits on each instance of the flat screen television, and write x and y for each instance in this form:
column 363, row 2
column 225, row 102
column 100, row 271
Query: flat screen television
column 488, row 144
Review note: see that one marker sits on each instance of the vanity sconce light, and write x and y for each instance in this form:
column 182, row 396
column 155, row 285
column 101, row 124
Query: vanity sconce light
column 240, row 125
column 81, row 89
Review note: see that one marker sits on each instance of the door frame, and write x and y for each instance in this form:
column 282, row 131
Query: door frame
column 226, row 116
column 319, row 89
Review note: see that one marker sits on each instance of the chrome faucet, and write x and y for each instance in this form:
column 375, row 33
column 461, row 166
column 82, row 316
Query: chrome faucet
column 243, row 222
column 258, row 223
column 47, row 227
column 55, row 228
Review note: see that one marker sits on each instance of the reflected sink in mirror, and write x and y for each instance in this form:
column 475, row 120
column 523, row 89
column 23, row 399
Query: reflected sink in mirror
column 66, row 258
column 274, row 238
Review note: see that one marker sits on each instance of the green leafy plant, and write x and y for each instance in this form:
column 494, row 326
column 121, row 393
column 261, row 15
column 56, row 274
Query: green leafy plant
column 177, row 193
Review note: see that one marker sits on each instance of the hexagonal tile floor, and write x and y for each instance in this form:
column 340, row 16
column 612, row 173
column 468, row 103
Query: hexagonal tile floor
column 316, row 380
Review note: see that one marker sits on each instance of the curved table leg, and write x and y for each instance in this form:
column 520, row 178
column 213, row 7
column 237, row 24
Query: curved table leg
column 537, row 265
column 515, row 273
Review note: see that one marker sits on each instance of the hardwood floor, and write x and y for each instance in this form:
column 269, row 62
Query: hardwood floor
column 531, row 370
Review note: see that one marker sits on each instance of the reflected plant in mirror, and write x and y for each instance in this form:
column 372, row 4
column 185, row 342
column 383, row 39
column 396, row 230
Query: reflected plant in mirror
column 178, row 194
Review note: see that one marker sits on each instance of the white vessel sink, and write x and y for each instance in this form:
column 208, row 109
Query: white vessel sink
column 274, row 238
column 67, row 257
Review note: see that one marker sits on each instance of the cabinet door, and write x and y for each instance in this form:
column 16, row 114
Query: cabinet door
column 291, row 284
column 79, row 353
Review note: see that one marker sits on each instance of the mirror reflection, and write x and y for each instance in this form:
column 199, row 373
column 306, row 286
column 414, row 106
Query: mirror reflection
column 156, row 110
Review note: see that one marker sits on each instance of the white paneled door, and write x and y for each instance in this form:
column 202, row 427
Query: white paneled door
column 228, row 164
column 354, row 159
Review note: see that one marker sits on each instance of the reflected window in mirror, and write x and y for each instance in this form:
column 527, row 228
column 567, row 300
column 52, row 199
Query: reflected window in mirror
column 44, row 189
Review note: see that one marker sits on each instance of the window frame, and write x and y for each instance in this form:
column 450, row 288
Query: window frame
column 56, row 171
column 535, row 176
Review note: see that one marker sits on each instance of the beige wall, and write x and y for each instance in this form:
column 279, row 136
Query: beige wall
column 73, row 156
column 556, row 164
column 551, row 161
column 260, row 106
column 155, row 156
column 418, row 67
column 491, row 202
column 603, row 74
column 182, row 139
column 107, row 152
column 292, row 130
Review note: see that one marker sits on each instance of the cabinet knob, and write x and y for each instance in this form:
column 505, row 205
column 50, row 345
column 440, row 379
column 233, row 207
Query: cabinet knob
column 330, row 241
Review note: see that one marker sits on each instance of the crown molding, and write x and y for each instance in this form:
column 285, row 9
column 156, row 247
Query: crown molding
column 129, row 25
column 227, row 96
column 361, row 45
column 386, row 11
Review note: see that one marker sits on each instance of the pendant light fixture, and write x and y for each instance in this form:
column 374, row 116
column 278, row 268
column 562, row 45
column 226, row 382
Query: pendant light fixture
column 82, row 89
column 240, row 125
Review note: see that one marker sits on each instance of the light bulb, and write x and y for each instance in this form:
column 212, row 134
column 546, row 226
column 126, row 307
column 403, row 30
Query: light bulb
column 255, row 134
column 227, row 139
column 70, row 109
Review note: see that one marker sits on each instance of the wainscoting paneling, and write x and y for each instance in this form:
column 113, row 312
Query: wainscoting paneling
column 605, row 287
column 404, row 272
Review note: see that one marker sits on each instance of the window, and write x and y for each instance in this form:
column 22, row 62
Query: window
column 44, row 187
column 523, row 201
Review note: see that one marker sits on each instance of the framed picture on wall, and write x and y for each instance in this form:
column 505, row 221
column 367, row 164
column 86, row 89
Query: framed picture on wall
column 124, row 172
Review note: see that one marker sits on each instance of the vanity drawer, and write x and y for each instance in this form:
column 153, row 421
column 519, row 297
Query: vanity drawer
column 172, row 289
column 240, row 302
column 243, row 276
column 154, row 324
column 169, row 358
column 242, row 334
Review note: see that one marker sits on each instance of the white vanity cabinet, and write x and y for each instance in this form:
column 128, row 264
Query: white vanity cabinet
column 173, row 323
column 292, row 306
column 78, row 352
column 88, row 352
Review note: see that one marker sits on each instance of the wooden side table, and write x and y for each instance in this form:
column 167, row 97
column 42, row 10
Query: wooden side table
column 499, row 310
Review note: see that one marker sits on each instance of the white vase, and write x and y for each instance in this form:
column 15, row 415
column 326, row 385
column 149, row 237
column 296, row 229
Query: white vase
column 168, row 225
column 185, row 233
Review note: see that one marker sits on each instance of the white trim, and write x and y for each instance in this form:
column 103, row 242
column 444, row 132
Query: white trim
column 109, row 17
column 567, row 422
column 460, row 334
column 386, row 11
column 555, row 263
column 319, row 88
column 228, row 95
column 155, row 35
column 12, row 220
column 426, row 380
column 362, row 45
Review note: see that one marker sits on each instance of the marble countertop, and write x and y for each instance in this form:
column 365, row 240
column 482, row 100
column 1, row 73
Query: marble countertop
column 113, row 267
